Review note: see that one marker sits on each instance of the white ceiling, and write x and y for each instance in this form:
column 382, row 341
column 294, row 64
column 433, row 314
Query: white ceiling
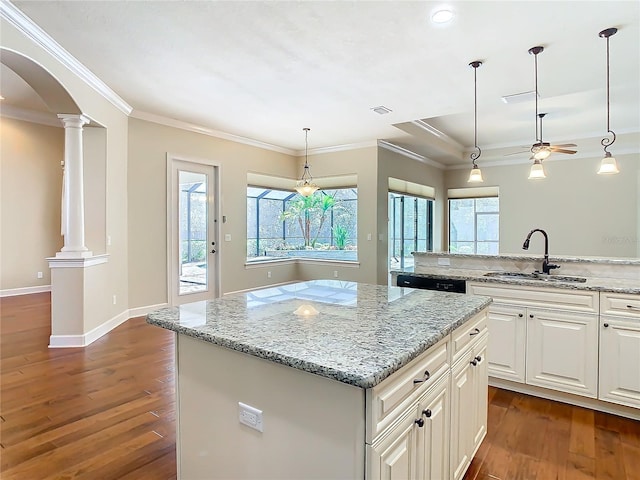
column 264, row 70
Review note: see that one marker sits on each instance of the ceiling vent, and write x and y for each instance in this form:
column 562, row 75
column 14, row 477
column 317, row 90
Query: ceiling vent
column 520, row 97
column 382, row 110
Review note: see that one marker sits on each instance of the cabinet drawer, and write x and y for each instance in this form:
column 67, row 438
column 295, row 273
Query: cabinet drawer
column 386, row 399
column 621, row 304
column 544, row 297
column 464, row 335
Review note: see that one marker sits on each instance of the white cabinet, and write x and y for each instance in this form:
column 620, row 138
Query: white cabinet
column 468, row 406
column 417, row 445
column 546, row 337
column 506, row 343
column 620, row 349
column 433, row 437
column 562, row 351
column 423, row 425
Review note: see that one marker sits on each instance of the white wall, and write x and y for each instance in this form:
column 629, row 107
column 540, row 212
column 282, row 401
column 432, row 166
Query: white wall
column 391, row 164
column 30, row 192
column 585, row 214
column 147, row 191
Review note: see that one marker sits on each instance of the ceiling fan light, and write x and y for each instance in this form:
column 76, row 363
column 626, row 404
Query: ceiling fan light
column 608, row 166
column 537, row 170
column 475, row 176
column 542, row 154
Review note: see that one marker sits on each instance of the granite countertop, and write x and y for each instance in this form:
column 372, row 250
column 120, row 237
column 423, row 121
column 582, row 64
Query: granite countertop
column 362, row 334
column 552, row 258
column 615, row 285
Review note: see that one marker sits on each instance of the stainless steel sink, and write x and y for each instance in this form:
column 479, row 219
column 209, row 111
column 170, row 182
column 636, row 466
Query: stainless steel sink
column 534, row 276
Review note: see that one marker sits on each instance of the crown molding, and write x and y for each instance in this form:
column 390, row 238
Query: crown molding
column 33, row 116
column 408, row 153
column 338, row 148
column 172, row 122
column 27, row 27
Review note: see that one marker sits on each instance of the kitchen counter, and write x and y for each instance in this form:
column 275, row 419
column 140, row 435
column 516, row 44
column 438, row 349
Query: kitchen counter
column 600, row 284
column 361, row 335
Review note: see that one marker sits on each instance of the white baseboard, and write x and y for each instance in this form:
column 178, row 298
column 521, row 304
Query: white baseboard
column 569, row 398
column 140, row 311
column 67, row 341
column 12, row 292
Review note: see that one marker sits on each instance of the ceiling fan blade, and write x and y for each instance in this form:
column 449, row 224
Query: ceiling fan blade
column 562, row 145
column 562, row 150
column 516, row 153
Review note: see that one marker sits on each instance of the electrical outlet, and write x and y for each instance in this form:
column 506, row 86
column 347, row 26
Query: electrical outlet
column 368, row 236
column 269, row 274
column 335, row 273
column 250, row 416
column 108, row 240
column 114, row 300
column 40, row 275
column 227, row 237
column 444, row 261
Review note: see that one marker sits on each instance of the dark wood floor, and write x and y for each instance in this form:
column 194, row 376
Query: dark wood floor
column 103, row 412
column 108, row 412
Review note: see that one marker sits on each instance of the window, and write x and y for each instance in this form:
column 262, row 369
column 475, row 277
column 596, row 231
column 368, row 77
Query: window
column 474, row 225
column 281, row 223
column 410, row 228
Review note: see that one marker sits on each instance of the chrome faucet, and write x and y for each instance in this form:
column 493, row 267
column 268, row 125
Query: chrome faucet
column 546, row 266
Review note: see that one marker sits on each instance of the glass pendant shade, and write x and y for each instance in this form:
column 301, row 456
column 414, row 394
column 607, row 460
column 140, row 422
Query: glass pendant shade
column 306, row 188
column 537, row 170
column 475, row 176
column 608, row 166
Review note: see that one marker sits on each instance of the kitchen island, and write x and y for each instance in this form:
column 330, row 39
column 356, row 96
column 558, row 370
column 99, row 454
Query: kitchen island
column 264, row 392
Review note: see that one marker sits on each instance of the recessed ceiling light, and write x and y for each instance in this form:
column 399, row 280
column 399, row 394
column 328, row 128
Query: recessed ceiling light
column 442, row 15
column 381, row 109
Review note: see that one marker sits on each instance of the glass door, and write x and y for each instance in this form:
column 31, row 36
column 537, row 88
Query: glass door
column 193, row 232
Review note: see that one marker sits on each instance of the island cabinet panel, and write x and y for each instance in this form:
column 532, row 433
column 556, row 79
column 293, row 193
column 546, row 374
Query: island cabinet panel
column 416, row 446
column 387, row 400
column 313, row 427
column 468, row 405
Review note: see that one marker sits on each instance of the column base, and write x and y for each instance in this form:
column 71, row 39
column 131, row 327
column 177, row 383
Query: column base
column 74, row 254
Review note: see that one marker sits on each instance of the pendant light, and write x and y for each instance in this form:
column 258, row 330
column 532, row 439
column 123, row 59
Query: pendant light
column 608, row 165
column 305, row 185
column 476, row 175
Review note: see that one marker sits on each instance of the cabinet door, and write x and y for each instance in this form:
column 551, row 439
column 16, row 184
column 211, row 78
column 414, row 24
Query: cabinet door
column 480, row 385
column 562, row 351
column 394, row 456
column 462, row 415
column 620, row 360
column 434, row 434
column 507, row 340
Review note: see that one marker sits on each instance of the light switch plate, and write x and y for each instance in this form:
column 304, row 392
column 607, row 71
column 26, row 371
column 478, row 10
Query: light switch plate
column 227, row 237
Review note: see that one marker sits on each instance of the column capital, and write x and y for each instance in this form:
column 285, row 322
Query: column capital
column 73, row 120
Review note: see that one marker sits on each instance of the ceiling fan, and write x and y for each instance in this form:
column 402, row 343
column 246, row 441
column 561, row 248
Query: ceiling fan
column 541, row 149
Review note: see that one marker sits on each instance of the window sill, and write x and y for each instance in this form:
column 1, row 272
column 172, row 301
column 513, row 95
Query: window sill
column 296, row 260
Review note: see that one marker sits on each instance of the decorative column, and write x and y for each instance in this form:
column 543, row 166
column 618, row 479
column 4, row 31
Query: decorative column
column 73, row 189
